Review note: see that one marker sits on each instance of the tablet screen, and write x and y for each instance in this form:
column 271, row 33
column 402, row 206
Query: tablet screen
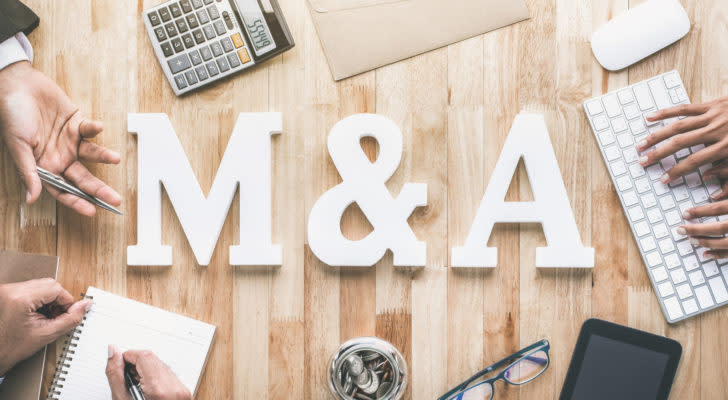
column 617, row 370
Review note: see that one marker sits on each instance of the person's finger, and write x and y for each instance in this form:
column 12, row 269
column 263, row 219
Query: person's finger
column 704, row 229
column 65, row 322
column 25, row 163
column 73, row 202
column 115, row 375
column 90, row 184
column 47, row 291
column 679, row 111
column 716, row 171
column 692, row 163
column 716, row 254
column 89, row 128
column 721, row 193
column 677, row 127
column 672, row 145
column 707, row 210
column 710, row 243
column 91, row 152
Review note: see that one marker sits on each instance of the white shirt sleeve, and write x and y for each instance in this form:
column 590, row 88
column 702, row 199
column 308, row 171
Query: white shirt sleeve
column 2, row 378
column 15, row 49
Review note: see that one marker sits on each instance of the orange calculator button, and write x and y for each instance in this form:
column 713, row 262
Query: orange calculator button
column 244, row 57
column 238, row 40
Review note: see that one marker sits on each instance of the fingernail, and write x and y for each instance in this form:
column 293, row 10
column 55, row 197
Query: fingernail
column 694, row 242
column 112, row 351
column 665, row 178
column 652, row 115
column 687, row 215
column 708, row 256
column 643, row 159
column 641, row 144
column 681, row 231
column 27, row 196
column 89, row 305
column 716, row 194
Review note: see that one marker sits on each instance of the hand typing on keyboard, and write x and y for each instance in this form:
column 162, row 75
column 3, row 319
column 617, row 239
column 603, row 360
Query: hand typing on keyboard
column 698, row 125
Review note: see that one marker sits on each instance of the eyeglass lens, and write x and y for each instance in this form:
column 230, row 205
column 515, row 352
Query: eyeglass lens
column 481, row 391
column 527, row 368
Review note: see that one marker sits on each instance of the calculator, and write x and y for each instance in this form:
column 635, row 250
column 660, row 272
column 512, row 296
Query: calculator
column 198, row 42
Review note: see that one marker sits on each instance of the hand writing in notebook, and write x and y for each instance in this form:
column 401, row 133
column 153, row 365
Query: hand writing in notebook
column 32, row 315
column 156, row 380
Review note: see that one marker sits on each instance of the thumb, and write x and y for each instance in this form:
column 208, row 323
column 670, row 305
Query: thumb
column 25, row 162
column 70, row 319
column 115, row 375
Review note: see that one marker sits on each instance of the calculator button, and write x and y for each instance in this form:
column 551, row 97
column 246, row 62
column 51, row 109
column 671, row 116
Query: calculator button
column 237, row 40
column 208, row 1
column 212, row 68
column 175, row 10
column 212, row 10
column 154, row 18
column 216, row 49
column 202, row 17
column 233, row 60
column 166, row 49
column 223, row 64
column 179, row 63
column 180, row 81
column 186, row 6
column 197, row 3
column 171, row 30
column 195, row 57
column 227, row 44
column 192, row 21
column 201, row 72
column 205, row 53
column 226, row 18
column 160, row 33
column 181, row 25
column 220, row 27
column 187, row 39
column 244, row 57
column 177, row 44
column 164, row 14
column 209, row 31
column 191, row 77
column 199, row 36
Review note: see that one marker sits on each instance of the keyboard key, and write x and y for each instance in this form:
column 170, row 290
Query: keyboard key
column 661, row 231
column 653, row 259
column 672, row 261
column 682, row 153
column 632, row 111
column 223, row 64
column 188, row 41
column 624, row 183
column 654, row 215
column 181, row 25
column 648, row 243
column 164, row 14
column 192, row 21
column 212, row 68
column 227, row 44
column 220, row 28
column 660, row 188
column 644, row 99
column 682, row 95
column 690, row 262
column 665, row 289
column 180, row 81
column 201, row 72
column 655, row 171
column 667, row 203
column 154, row 18
column 205, row 53
column 696, row 278
column 594, row 107
column 690, row 306
column 619, row 124
column 625, row 96
column 666, row 246
column 668, row 162
column 166, row 49
column 700, row 195
column 642, row 228
column 673, row 308
column 636, row 171
column 195, row 57
column 202, row 17
column 171, row 29
column 648, row 200
column 214, row 13
column 684, row 248
column 197, row 3
column 191, row 77
column 207, row 2
column 209, row 31
column 659, row 274
column 233, row 60
column 678, row 276
column 710, row 269
column 683, row 291
column 618, row 168
column 704, row 297
column 601, row 123
column 672, row 80
column 611, row 105
column 630, row 155
column 680, row 193
column 719, row 290
column 642, row 185
column 625, row 140
column 606, row 137
column 186, row 6
column 179, row 63
column 673, row 217
column 160, row 33
column 177, row 45
column 630, row 198
column 216, row 49
column 693, row 180
column 175, row 10
column 238, row 42
column 659, row 93
column 637, row 126
column 677, row 236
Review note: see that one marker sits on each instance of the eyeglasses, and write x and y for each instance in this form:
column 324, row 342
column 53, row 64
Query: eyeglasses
column 525, row 365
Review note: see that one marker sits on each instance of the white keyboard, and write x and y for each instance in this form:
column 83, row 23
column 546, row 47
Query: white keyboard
column 685, row 282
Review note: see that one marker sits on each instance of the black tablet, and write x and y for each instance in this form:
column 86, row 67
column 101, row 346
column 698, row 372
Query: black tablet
column 611, row 361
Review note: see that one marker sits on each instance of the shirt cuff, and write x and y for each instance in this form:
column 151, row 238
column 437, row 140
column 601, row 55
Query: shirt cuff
column 15, row 49
column 2, row 378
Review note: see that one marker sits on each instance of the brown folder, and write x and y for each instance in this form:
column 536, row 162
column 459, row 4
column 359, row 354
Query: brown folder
column 23, row 382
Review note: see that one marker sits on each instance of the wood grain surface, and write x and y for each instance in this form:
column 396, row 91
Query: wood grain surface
column 277, row 327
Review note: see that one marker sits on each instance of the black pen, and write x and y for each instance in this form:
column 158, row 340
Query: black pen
column 131, row 385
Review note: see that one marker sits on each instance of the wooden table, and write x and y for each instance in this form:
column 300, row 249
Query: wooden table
column 278, row 326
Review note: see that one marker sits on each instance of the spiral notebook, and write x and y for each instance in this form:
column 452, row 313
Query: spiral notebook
column 180, row 342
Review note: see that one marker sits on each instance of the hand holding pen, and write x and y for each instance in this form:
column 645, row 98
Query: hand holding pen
column 142, row 374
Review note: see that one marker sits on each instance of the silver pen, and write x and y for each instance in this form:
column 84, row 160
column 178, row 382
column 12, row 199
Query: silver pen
column 58, row 183
column 131, row 385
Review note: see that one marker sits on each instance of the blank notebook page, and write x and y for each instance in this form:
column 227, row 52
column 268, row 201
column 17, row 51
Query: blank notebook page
column 180, row 342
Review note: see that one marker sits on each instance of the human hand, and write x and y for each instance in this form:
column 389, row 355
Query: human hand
column 41, row 126
column 156, row 380
column 24, row 329
column 705, row 123
column 708, row 234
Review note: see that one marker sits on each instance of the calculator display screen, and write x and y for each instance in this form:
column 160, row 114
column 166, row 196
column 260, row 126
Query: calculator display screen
column 254, row 21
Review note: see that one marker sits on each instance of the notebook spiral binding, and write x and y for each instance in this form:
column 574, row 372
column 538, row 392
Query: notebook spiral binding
column 62, row 365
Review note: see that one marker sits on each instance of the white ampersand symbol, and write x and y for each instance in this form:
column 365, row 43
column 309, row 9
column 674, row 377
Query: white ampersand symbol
column 364, row 183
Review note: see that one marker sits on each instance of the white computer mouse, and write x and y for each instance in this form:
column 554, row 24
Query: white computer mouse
column 639, row 32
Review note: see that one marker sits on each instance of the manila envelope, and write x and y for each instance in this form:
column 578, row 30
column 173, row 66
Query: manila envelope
column 361, row 35
column 23, row 382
